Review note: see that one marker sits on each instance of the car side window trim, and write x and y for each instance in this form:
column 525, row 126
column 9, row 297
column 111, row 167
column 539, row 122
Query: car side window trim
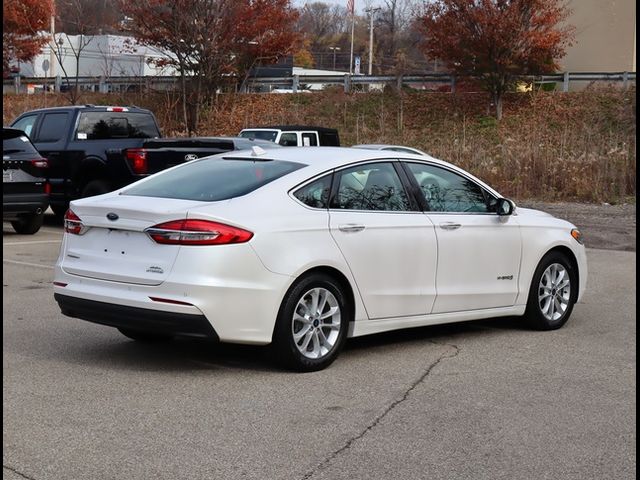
column 423, row 201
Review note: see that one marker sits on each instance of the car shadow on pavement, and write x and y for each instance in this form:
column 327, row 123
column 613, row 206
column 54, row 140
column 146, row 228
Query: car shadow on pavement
column 184, row 354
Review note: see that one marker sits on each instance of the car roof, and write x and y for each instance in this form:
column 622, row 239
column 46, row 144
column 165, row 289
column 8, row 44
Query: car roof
column 380, row 146
column 67, row 108
column 291, row 128
column 323, row 159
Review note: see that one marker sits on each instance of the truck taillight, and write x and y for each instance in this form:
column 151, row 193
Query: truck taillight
column 197, row 232
column 47, row 188
column 137, row 158
column 73, row 223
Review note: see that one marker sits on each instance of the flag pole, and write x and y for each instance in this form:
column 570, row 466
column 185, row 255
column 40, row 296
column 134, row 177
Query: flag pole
column 353, row 21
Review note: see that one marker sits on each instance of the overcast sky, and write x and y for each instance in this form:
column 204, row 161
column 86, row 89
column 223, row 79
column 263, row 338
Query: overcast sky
column 360, row 4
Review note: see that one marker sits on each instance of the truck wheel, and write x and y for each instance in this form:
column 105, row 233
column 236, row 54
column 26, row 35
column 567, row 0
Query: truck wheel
column 28, row 224
column 95, row 187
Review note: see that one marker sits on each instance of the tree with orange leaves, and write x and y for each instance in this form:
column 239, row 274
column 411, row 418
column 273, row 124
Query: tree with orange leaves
column 496, row 40
column 24, row 27
column 212, row 41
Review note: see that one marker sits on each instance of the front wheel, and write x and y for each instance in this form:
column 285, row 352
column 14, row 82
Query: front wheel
column 554, row 290
column 312, row 323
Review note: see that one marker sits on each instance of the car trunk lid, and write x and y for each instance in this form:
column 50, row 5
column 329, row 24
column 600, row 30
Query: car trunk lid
column 114, row 245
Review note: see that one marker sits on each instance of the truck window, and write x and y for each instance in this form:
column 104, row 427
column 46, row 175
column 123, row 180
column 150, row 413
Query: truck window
column 25, row 124
column 260, row 134
column 309, row 140
column 109, row 125
column 329, row 139
column 288, row 140
column 53, row 127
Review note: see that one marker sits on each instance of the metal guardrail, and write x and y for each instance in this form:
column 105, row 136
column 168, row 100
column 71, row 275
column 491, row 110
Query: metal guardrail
column 295, row 82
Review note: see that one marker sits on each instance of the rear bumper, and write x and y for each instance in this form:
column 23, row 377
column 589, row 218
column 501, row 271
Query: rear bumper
column 14, row 204
column 143, row 319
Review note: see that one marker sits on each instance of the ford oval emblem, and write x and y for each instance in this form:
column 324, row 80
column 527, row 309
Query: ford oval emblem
column 112, row 216
column 190, row 156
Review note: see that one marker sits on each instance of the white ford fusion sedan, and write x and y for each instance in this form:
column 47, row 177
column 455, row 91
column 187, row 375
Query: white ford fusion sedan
column 303, row 247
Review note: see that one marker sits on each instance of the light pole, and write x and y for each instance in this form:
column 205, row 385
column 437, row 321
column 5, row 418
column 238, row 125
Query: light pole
column 371, row 12
column 334, row 55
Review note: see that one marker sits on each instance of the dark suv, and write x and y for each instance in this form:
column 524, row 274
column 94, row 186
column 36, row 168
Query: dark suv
column 24, row 189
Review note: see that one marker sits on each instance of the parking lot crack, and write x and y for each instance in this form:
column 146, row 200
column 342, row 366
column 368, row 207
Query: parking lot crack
column 453, row 352
column 11, row 469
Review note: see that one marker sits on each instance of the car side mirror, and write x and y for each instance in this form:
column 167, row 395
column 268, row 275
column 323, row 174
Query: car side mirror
column 505, row 207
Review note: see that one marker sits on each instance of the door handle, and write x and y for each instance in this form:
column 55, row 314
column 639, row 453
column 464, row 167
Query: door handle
column 351, row 227
column 450, row 226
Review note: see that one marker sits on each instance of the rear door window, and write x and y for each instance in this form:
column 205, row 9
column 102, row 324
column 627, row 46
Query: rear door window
column 374, row 186
column 26, row 124
column 289, row 140
column 110, row 125
column 213, row 179
column 53, row 127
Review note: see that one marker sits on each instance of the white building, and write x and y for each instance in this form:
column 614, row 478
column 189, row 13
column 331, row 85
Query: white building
column 100, row 56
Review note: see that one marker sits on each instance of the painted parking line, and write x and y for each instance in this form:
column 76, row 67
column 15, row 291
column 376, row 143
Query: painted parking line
column 31, row 243
column 27, row 264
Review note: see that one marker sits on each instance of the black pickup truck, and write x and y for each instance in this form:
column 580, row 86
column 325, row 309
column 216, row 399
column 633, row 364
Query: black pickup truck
column 95, row 149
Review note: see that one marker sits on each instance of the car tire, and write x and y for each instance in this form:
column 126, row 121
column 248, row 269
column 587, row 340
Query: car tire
column 28, row 224
column 145, row 337
column 551, row 299
column 95, row 187
column 326, row 327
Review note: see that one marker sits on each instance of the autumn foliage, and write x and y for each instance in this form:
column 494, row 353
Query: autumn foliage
column 496, row 40
column 22, row 20
column 213, row 42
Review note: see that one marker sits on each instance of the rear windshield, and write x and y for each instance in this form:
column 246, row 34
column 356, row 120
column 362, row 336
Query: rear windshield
column 260, row 134
column 108, row 125
column 16, row 143
column 213, row 179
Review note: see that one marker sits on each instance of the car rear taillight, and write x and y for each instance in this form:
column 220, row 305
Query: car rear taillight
column 40, row 163
column 137, row 158
column 197, row 232
column 73, row 224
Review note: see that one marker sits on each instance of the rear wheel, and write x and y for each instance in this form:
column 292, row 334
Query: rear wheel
column 146, row 337
column 95, row 187
column 553, row 292
column 312, row 323
column 28, row 224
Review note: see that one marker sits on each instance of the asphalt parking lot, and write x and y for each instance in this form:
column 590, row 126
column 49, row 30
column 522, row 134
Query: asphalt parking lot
column 477, row 400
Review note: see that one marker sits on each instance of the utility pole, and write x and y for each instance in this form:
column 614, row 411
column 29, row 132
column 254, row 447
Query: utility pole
column 371, row 12
column 351, row 9
column 52, row 55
